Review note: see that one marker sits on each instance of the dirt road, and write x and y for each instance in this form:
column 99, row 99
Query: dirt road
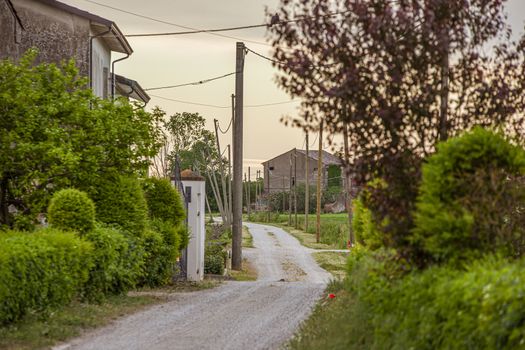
column 236, row 315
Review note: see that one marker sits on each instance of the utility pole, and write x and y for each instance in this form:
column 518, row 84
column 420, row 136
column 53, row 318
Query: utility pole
column 319, row 177
column 295, row 185
column 237, row 159
column 268, row 192
column 307, row 183
column 224, row 200
column 348, row 189
column 230, row 184
column 290, row 194
column 249, row 193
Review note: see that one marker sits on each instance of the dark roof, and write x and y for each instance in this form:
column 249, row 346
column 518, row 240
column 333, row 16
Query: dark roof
column 114, row 39
column 13, row 11
column 328, row 158
column 130, row 88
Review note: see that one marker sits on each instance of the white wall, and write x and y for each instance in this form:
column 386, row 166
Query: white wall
column 196, row 217
column 101, row 59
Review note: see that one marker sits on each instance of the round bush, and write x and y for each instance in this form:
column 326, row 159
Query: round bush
column 71, row 209
column 163, row 200
column 120, row 201
column 470, row 199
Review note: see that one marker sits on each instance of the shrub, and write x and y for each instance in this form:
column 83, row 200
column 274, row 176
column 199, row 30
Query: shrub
column 40, row 271
column 160, row 260
column 470, row 199
column 214, row 259
column 120, row 201
column 116, row 268
column 363, row 226
column 71, row 209
column 443, row 308
column 163, row 201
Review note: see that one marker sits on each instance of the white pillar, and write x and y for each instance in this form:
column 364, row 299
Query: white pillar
column 194, row 187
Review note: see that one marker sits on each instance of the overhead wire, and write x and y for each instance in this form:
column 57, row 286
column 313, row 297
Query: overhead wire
column 223, row 107
column 199, row 82
column 227, row 129
column 196, row 30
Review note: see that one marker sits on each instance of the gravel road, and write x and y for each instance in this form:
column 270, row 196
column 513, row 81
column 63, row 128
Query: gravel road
column 236, row 315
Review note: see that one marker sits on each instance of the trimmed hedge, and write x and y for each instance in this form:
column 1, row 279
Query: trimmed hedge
column 117, row 267
column 163, row 201
column 120, row 201
column 40, row 271
column 471, row 199
column 71, row 209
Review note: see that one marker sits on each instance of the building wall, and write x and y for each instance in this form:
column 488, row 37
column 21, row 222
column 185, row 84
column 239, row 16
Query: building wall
column 57, row 34
column 280, row 175
column 10, row 33
column 101, row 68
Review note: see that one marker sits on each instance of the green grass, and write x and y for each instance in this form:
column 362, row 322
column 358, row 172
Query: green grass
column 247, row 239
column 333, row 262
column 36, row 332
column 248, row 272
column 339, row 323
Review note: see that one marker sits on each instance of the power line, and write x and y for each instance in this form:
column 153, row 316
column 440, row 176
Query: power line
column 227, row 129
column 173, row 24
column 224, row 107
column 200, row 82
column 282, row 63
column 227, row 29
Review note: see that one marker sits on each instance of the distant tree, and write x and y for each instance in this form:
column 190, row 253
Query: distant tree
column 396, row 77
column 54, row 133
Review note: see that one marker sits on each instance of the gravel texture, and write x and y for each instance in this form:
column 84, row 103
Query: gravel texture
column 236, row 315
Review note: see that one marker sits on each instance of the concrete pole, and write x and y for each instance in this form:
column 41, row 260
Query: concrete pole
column 290, row 194
column 249, row 192
column 319, row 183
column 295, row 185
column 237, row 159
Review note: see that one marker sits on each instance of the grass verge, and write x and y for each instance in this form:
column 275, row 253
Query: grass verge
column 333, row 262
column 247, row 239
column 37, row 331
column 248, row 272
column 337, row 323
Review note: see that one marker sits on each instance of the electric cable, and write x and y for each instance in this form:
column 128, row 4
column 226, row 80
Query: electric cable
column 223, row 107
column 200, row 82
column 227, row 129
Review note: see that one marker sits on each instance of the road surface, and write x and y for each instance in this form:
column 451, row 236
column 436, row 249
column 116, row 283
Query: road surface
column 262, row 314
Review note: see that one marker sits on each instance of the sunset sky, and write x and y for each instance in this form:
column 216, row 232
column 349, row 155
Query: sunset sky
column 162, row 61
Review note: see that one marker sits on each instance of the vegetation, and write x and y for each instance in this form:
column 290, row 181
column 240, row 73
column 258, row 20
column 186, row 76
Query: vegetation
column 334, row 228
column 333, row 262
column 73, row 210
column 55, row 134
column 40, row 271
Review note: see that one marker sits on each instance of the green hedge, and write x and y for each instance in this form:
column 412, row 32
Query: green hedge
column 71, row 209
column 41, row 270
column 118, row 263
column 471, row 199
column 437, row 308
column 363, row 226
column 163, row 200
column 214, row 259
column 120, row 201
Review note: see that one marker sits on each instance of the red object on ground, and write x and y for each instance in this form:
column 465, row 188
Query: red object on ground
column 331, row 295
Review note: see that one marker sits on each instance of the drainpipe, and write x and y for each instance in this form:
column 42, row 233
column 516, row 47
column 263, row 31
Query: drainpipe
column 91, row 56
column 113, row 75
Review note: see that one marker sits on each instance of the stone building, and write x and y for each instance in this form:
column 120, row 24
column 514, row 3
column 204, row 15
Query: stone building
column 277, row 170
column 61, row 32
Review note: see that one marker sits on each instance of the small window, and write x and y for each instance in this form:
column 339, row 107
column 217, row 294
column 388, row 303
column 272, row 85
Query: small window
column 271, row 168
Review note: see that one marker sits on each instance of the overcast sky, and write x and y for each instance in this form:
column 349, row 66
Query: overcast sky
column 161, row 61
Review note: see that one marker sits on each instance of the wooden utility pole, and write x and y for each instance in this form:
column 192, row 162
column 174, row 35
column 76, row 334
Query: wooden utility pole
column 249, row 193
column 295, row 185
column 237, row 159
column 290, row 194
column 230, row 199
column 307, row 184
column 319, row 178
column 268, row 193
column 348, row 185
